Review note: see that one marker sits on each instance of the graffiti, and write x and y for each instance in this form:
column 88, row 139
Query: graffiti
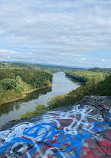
column 79, row 132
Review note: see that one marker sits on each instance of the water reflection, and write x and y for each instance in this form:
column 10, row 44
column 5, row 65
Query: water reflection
column 36, row 94
column 17, row 106
column 6, row 108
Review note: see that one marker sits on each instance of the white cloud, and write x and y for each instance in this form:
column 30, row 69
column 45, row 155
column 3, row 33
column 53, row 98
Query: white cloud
column 103, row 60
column 82, row 59
column 7, row 51
column 55, row 28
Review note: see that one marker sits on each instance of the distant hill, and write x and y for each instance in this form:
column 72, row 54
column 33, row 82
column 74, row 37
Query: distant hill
column 52, row 68
column 97, row 69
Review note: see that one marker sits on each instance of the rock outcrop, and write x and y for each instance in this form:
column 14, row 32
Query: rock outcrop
column 81, row 130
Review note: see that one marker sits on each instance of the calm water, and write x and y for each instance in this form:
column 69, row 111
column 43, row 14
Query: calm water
column 61, row 85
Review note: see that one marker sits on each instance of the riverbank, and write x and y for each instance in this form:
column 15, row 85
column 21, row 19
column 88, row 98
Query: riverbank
column 95, row 84
column 24, row 94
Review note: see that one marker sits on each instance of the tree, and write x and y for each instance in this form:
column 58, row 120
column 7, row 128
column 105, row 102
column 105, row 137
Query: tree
column 19, row 84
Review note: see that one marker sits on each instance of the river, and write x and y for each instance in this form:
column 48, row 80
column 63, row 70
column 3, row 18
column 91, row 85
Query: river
column 61, row 85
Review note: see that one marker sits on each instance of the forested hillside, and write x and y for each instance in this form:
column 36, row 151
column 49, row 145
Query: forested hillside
column 15, row 82
column 51, row 68
column 97, row 69
column 84, row 76
column 93, row 84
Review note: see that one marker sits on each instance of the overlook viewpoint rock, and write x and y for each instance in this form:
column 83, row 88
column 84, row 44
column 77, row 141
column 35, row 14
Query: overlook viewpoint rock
column 78, row 131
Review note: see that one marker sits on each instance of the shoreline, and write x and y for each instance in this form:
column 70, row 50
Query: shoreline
column 104, row 102
column 25, row 94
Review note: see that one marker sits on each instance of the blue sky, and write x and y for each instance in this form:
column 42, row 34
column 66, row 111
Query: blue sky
column 62, row 32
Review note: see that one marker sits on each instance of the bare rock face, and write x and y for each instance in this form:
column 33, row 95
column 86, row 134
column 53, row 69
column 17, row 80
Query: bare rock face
column 82, row 130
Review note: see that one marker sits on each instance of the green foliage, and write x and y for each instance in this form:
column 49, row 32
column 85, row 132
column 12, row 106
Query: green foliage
column 84, row 76
column 21, row 80
column 1, row 92
column 97, row 69
column 103, row 88
column 56, row 101
column 9, row 96
column 10, row 89
column 27, row 87
column 36, row 78
column 7, row 84
column 6, row 74
column 94, row 84
column 19, row 84
column 40, row 108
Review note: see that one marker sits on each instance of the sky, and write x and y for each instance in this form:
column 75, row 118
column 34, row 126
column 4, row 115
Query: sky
column 62, row 32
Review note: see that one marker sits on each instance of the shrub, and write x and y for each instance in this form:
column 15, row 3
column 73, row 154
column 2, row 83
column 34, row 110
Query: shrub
column 40, row 108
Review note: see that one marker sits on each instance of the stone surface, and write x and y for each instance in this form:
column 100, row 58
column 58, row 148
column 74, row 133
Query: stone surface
column 82, row 130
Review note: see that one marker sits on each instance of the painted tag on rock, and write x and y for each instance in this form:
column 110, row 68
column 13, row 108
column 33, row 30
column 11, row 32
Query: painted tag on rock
column 78, row 132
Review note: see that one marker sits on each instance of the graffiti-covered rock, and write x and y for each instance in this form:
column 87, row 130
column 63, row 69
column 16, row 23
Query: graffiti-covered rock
column 82, row 130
